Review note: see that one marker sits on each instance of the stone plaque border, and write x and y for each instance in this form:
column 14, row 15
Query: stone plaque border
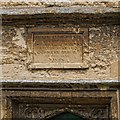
column 58, row 30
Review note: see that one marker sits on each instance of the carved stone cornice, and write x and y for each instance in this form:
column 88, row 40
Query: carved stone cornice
column 60, row 85
column 76, row 18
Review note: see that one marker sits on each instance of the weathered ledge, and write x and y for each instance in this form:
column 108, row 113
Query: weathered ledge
column 82, row 81
column 51, row 15
column 66, row 85
column 71, row 9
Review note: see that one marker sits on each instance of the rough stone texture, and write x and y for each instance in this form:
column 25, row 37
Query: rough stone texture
column 22, row 83
column 71, row 9
column 103, row 56
column 110, row 3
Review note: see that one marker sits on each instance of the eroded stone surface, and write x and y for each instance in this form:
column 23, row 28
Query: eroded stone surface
column 59, row 3
column 103, row 59
column 103, row 54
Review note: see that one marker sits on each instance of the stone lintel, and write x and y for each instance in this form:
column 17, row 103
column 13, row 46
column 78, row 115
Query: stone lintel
column 54, row 85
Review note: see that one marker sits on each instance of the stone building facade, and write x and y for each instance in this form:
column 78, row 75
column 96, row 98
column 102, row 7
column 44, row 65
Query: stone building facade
column 60, row 59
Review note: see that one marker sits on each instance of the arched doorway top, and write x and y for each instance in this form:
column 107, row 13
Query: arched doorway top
column 67, row 116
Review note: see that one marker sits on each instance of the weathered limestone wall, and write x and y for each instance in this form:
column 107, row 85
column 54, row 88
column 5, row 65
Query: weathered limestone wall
column 103, row 56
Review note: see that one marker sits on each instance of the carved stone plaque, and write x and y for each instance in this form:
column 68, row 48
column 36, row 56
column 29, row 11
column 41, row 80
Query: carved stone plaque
column 58, row 47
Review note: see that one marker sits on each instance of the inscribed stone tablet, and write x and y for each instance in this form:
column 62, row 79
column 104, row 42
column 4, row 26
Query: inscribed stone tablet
column 57, row 49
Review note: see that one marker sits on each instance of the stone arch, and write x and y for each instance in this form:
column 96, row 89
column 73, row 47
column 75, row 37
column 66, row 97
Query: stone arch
column 66, row 115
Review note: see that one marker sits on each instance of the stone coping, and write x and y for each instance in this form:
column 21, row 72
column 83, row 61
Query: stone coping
column 62, row 81
column 59, row 3
column 56, row 10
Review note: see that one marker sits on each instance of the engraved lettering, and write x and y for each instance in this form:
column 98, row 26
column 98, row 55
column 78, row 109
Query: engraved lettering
column 59, row 49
